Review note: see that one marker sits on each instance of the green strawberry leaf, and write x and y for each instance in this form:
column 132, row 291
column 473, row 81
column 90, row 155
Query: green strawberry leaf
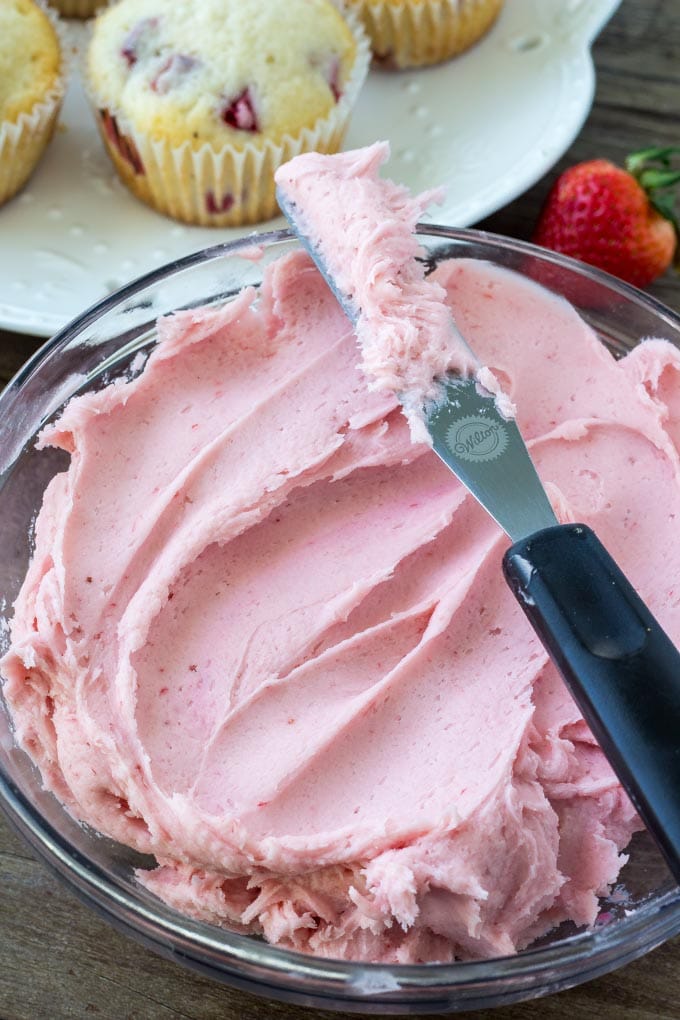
column 651, row 178
column 637, row 161
column 654, row 171
column 665, row 204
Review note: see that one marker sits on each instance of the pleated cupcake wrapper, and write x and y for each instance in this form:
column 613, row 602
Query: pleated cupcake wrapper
column 415, row 34
column 23, row 141
column 78, row 8
column 227, row 188
column 233, row 186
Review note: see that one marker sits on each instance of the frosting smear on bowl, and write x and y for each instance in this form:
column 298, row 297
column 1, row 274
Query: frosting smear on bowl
column 266, row 638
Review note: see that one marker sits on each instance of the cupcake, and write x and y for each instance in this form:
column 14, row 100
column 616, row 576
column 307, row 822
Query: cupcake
column 199, row 103
column 31, row 90
column 78, row 8
column 411, row 33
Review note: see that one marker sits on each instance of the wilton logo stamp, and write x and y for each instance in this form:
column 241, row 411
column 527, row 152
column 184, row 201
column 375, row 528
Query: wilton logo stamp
column 477, row 439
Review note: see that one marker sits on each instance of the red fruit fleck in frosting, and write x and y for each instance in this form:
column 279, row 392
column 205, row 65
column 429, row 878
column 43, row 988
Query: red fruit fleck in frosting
column 121, row 142
column 240, row 112
column 215, row 205
column 131, row 43
column 175, row 68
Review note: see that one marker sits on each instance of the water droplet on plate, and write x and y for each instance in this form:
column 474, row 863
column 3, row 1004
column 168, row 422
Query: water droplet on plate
column 528, row 43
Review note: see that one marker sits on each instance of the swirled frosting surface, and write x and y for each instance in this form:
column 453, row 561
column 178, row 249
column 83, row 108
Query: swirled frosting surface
column 266, row 638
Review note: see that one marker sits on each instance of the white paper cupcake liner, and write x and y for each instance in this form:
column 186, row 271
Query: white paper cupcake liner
column 415, row 34
column 230, row 187
column 22, row 142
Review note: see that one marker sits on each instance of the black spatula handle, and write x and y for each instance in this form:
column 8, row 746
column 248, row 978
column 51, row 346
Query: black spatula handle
column 620, row 666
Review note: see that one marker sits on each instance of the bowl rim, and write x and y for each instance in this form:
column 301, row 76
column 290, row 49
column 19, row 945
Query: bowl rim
column 266, row 238
column 70, row 863
column 557, row 965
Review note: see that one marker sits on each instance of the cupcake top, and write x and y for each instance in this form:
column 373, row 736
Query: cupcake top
column 220, row 71
column 30, row 57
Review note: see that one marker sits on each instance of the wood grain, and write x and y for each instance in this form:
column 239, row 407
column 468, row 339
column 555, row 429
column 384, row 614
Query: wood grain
column 58, row 959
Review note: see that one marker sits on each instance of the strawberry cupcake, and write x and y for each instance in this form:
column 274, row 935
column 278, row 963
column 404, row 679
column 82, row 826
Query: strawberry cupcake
column 198, row 104
column 31, row 90
column 413, row 33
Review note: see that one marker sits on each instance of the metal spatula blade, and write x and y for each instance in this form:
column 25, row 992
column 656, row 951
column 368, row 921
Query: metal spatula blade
column 487, row 452
column 620, row 666
column 484, row 449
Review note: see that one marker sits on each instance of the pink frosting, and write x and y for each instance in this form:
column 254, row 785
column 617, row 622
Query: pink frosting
column 363, row 228
column 267, row 639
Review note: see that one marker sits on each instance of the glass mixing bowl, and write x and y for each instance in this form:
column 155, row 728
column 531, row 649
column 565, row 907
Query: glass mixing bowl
column 102, row 345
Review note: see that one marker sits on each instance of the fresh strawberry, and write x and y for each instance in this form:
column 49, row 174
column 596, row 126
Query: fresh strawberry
column 622, row 221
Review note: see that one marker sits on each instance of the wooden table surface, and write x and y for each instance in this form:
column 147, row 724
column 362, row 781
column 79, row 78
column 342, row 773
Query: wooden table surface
column 57, row 959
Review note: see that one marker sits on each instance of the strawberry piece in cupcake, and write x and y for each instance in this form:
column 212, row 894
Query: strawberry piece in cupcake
column 198, row 104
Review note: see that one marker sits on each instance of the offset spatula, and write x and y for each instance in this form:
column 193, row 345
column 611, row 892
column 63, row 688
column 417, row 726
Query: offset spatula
column 620, row 666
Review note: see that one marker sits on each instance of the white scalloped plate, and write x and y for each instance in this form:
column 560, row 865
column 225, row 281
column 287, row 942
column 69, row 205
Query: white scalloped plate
column 486, row 125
